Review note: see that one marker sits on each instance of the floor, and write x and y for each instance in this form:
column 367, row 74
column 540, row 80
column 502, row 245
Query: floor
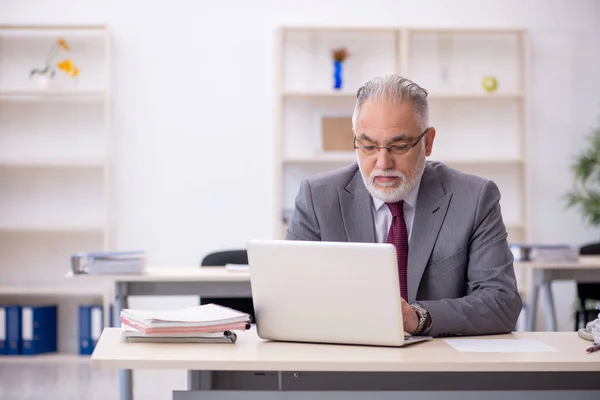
column 74, row 381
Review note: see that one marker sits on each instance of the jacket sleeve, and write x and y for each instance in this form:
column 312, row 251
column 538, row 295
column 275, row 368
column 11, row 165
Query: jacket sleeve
column 492, row 304
column 303, row 222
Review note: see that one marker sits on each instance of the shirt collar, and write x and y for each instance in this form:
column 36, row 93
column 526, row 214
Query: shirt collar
column 410, row 199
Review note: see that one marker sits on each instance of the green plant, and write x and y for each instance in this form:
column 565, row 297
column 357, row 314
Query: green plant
column 585, row 194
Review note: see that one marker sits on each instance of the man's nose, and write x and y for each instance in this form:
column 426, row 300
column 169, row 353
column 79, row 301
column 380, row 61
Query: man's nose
column 384, row 159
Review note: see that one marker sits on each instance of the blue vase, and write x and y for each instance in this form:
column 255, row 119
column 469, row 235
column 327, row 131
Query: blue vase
column 337, row 74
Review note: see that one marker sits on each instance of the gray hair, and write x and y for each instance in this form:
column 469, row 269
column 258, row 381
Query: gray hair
column 394, row 88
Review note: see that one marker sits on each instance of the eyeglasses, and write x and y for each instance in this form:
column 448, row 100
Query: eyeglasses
column 394, row 149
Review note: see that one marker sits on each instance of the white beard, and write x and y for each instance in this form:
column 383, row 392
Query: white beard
column 393, row 195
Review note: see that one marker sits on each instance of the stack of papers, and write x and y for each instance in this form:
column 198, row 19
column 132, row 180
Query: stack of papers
column 116, row 262
column 207, row 323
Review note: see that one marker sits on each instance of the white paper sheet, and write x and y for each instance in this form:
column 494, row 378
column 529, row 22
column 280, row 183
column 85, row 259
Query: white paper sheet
column 500, row 345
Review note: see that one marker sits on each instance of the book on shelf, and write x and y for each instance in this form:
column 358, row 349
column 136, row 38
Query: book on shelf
column 10, row 330
column 209, row 323
column 39, row 330
column 115, row 262
column 28, row 330
column 91, row 324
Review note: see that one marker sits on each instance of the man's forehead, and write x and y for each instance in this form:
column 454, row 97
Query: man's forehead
column 388, row 116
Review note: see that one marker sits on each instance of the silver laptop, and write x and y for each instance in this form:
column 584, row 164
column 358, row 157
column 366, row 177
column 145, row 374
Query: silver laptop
column 327, row 292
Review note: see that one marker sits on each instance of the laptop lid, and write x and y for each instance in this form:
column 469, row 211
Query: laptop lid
column 326, row 292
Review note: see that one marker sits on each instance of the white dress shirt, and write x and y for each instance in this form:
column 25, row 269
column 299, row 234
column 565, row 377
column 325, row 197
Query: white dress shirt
column 382, row 215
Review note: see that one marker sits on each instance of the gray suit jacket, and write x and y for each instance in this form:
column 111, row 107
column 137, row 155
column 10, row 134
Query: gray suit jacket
column 459, row 265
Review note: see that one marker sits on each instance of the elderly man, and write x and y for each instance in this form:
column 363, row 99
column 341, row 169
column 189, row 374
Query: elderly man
column 456, row 270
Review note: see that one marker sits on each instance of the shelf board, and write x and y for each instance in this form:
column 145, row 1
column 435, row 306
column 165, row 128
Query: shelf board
column 332, row 94
column 350, row 158
column 513, row 226
column 475, row 96
column 325, row 158
column 43, row 95
column 49, row 27
column 52, row 162
column 338, row 29
column 48, row 358
column 470, row 31
column 51, row 228
column 50, row 290
column 431, row 96
column 481, row 161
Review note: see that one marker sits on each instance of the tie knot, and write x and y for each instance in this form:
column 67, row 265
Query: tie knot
column 397, row 208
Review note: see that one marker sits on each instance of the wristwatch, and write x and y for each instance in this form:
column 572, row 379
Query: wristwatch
column 424, row 318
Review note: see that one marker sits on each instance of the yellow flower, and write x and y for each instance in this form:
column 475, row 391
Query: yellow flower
column 74, row 72
column 63, row 44
column 66, row 66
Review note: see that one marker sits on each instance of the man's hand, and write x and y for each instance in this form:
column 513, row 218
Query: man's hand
column 410, row 317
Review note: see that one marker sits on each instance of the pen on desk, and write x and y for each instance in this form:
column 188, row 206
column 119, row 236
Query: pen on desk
column 594, row 348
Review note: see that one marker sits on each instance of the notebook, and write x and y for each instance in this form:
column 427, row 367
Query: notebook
column 209, row 323
column 197, row 316
column 133, row 335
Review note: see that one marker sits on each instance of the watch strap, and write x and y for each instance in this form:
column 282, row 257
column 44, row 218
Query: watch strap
column 424, row 318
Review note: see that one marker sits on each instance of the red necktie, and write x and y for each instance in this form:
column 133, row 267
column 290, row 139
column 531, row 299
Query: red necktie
column 398, row 236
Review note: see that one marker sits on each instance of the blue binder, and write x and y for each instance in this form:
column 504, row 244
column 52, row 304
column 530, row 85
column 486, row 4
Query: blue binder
column 90, row 327
column 39, row 329
column 10, row 330
column 3, row 326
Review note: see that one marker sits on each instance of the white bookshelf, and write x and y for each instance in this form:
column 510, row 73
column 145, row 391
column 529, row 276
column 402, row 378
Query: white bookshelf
column 477, row 132
column 55, row 166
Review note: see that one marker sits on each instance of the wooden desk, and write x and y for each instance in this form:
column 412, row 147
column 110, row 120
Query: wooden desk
column 587, row 269
column 220, row 282
column 169, row 281
column 284, row 370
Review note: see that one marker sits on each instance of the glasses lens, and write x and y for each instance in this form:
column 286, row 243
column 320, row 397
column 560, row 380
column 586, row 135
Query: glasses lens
column 399, row 150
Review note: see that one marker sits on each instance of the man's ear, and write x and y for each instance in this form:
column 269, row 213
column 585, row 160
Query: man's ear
column 429, row 138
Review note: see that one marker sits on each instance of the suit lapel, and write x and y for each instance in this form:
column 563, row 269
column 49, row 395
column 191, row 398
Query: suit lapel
column 432, row 204
column 356, row 205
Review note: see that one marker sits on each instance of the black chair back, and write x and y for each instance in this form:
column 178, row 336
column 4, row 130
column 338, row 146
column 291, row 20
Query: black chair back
column 222, row 258
column 587, row 291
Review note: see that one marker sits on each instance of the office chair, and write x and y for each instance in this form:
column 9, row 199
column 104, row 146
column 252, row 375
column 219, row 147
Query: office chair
column 221, row 258
column 587, row 291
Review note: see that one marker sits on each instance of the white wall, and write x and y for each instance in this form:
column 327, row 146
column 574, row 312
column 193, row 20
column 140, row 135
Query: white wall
column 193, row 101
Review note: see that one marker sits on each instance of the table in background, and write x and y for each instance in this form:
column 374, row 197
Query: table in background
column 169, row 281
column 587, row 269
column 257, row 369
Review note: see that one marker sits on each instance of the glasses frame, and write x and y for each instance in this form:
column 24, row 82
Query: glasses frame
column 389, row 148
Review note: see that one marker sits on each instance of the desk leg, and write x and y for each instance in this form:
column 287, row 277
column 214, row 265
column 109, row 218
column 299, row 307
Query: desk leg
column 533, row 300
column 549, row 304
column 125, row 375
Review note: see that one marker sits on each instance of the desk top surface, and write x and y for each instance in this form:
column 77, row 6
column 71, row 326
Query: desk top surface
column 173, row 274
column 222, row 274
column 252, row 353
column 584, row 262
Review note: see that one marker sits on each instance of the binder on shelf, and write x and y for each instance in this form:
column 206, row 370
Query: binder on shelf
column 3, row 325
column 10, row 330
column 39, row 329
column 90, row 327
